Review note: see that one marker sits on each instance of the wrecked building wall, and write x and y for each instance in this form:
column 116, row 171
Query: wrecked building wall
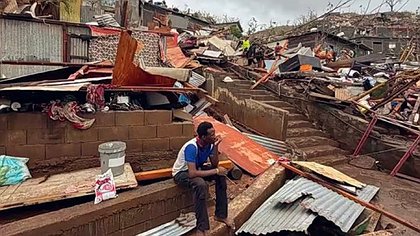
column 348, row 130
column 131, row 213
column 268, row 120
column 56, row 146
column 388, row 46
column 105, row 48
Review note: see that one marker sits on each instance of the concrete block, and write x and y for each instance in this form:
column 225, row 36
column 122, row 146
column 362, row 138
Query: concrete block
column 159, row 144
column 46, row 136
column 188, row 129
column 62, row 150
column 16, row 137
column 33, row 152
column 3, row 122
column 27, row 121
column 170, row 130
column 157, row 117
column 142, row 132
column 90, row 148
column 77, row 136
column 176, row 143
column 3, row 137
column 134, row 145
column 129, row 118
column 119, row 133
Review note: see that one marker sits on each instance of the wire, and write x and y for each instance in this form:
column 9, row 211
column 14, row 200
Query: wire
column 406, row 2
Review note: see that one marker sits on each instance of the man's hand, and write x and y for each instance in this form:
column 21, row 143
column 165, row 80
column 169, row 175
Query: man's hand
column 218, row 140
column 222, row 171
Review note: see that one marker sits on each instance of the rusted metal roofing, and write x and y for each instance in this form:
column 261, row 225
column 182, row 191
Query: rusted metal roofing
column 173, row 228
column 296, row 205
column 276, row 146
column 243, row 151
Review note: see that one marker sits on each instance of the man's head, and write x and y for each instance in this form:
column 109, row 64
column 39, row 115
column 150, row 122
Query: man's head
column 278, row 44
column 206, row 132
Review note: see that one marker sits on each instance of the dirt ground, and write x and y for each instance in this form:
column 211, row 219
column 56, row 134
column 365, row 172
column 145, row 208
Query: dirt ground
column 396, row 195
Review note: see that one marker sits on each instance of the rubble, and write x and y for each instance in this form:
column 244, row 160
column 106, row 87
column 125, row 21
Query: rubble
column 149, row 84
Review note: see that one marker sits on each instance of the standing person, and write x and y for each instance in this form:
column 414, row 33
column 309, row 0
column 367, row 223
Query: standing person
column 189, row 171
column 277, row 50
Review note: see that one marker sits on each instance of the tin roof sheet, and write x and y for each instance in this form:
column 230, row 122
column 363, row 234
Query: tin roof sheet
column 276, row 146
column 295, row 206
column 173, row 228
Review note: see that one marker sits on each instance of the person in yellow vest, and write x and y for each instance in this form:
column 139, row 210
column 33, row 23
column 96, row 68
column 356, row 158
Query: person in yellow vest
column 246, row 44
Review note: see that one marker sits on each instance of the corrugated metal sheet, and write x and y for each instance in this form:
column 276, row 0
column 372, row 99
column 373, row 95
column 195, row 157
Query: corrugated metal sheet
column 196, row 79
column 293, row 211
column 29, row 41
column 172, row 228
column 273, row 145
column 37, row 41
column 79, row 47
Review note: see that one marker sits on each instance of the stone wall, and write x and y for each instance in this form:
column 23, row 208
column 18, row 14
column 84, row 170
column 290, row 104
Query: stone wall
column 54, row 146
column 132, row 212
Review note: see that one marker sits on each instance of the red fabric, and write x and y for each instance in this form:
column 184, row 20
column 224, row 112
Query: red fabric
column 101, row 31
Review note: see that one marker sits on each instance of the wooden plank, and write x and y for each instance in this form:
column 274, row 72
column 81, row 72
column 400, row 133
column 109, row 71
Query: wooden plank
column 167, row 172
column 373, row 222
column 59, row 187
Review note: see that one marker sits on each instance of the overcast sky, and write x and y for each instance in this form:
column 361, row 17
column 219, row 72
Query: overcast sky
column 279, row 11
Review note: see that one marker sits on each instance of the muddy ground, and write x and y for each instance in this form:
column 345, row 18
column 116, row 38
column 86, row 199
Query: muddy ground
column 396, row 195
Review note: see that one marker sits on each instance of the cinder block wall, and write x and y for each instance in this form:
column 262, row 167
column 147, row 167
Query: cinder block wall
column 54, row 146
column 132, row 212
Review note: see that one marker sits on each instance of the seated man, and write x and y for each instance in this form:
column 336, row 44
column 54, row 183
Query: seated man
column 189, row 171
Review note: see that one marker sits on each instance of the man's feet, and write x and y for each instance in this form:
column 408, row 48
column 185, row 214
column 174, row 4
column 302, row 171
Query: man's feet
column 227, row 221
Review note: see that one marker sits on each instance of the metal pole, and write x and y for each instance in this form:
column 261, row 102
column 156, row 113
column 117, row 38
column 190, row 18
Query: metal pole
column 406, row 156
column 365, row 136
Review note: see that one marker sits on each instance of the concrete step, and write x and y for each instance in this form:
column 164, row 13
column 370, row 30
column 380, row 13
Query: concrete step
column 298, row 123
column 304, row 132
column 296, row 116
column 303, row 142
column 331, row 160
column 322, row 150
column 254, row 92
column 264, row 97
column 279, row 104
column 242, row 82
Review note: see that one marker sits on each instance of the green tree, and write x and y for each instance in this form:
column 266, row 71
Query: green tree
column 235, row 32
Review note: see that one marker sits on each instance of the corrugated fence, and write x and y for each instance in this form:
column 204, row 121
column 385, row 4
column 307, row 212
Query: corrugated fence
column 33, row 40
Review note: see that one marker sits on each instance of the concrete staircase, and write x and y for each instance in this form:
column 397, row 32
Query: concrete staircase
column 302, row 135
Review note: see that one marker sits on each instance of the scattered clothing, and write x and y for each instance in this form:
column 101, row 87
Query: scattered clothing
column 58, row 112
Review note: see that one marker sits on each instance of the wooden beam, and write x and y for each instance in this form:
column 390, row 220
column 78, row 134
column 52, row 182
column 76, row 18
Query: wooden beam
column 167, row 173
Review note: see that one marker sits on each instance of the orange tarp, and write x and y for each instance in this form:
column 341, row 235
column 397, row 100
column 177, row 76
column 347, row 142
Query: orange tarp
column 244, row 152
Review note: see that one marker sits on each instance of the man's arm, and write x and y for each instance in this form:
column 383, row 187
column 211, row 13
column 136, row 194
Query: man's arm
column 214, row 158
column 190, row 158
column 193, row 172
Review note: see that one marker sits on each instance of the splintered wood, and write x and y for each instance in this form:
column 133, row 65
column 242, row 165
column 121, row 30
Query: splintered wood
column 59, row 187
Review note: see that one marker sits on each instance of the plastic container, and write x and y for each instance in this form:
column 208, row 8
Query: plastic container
column 112, row 156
